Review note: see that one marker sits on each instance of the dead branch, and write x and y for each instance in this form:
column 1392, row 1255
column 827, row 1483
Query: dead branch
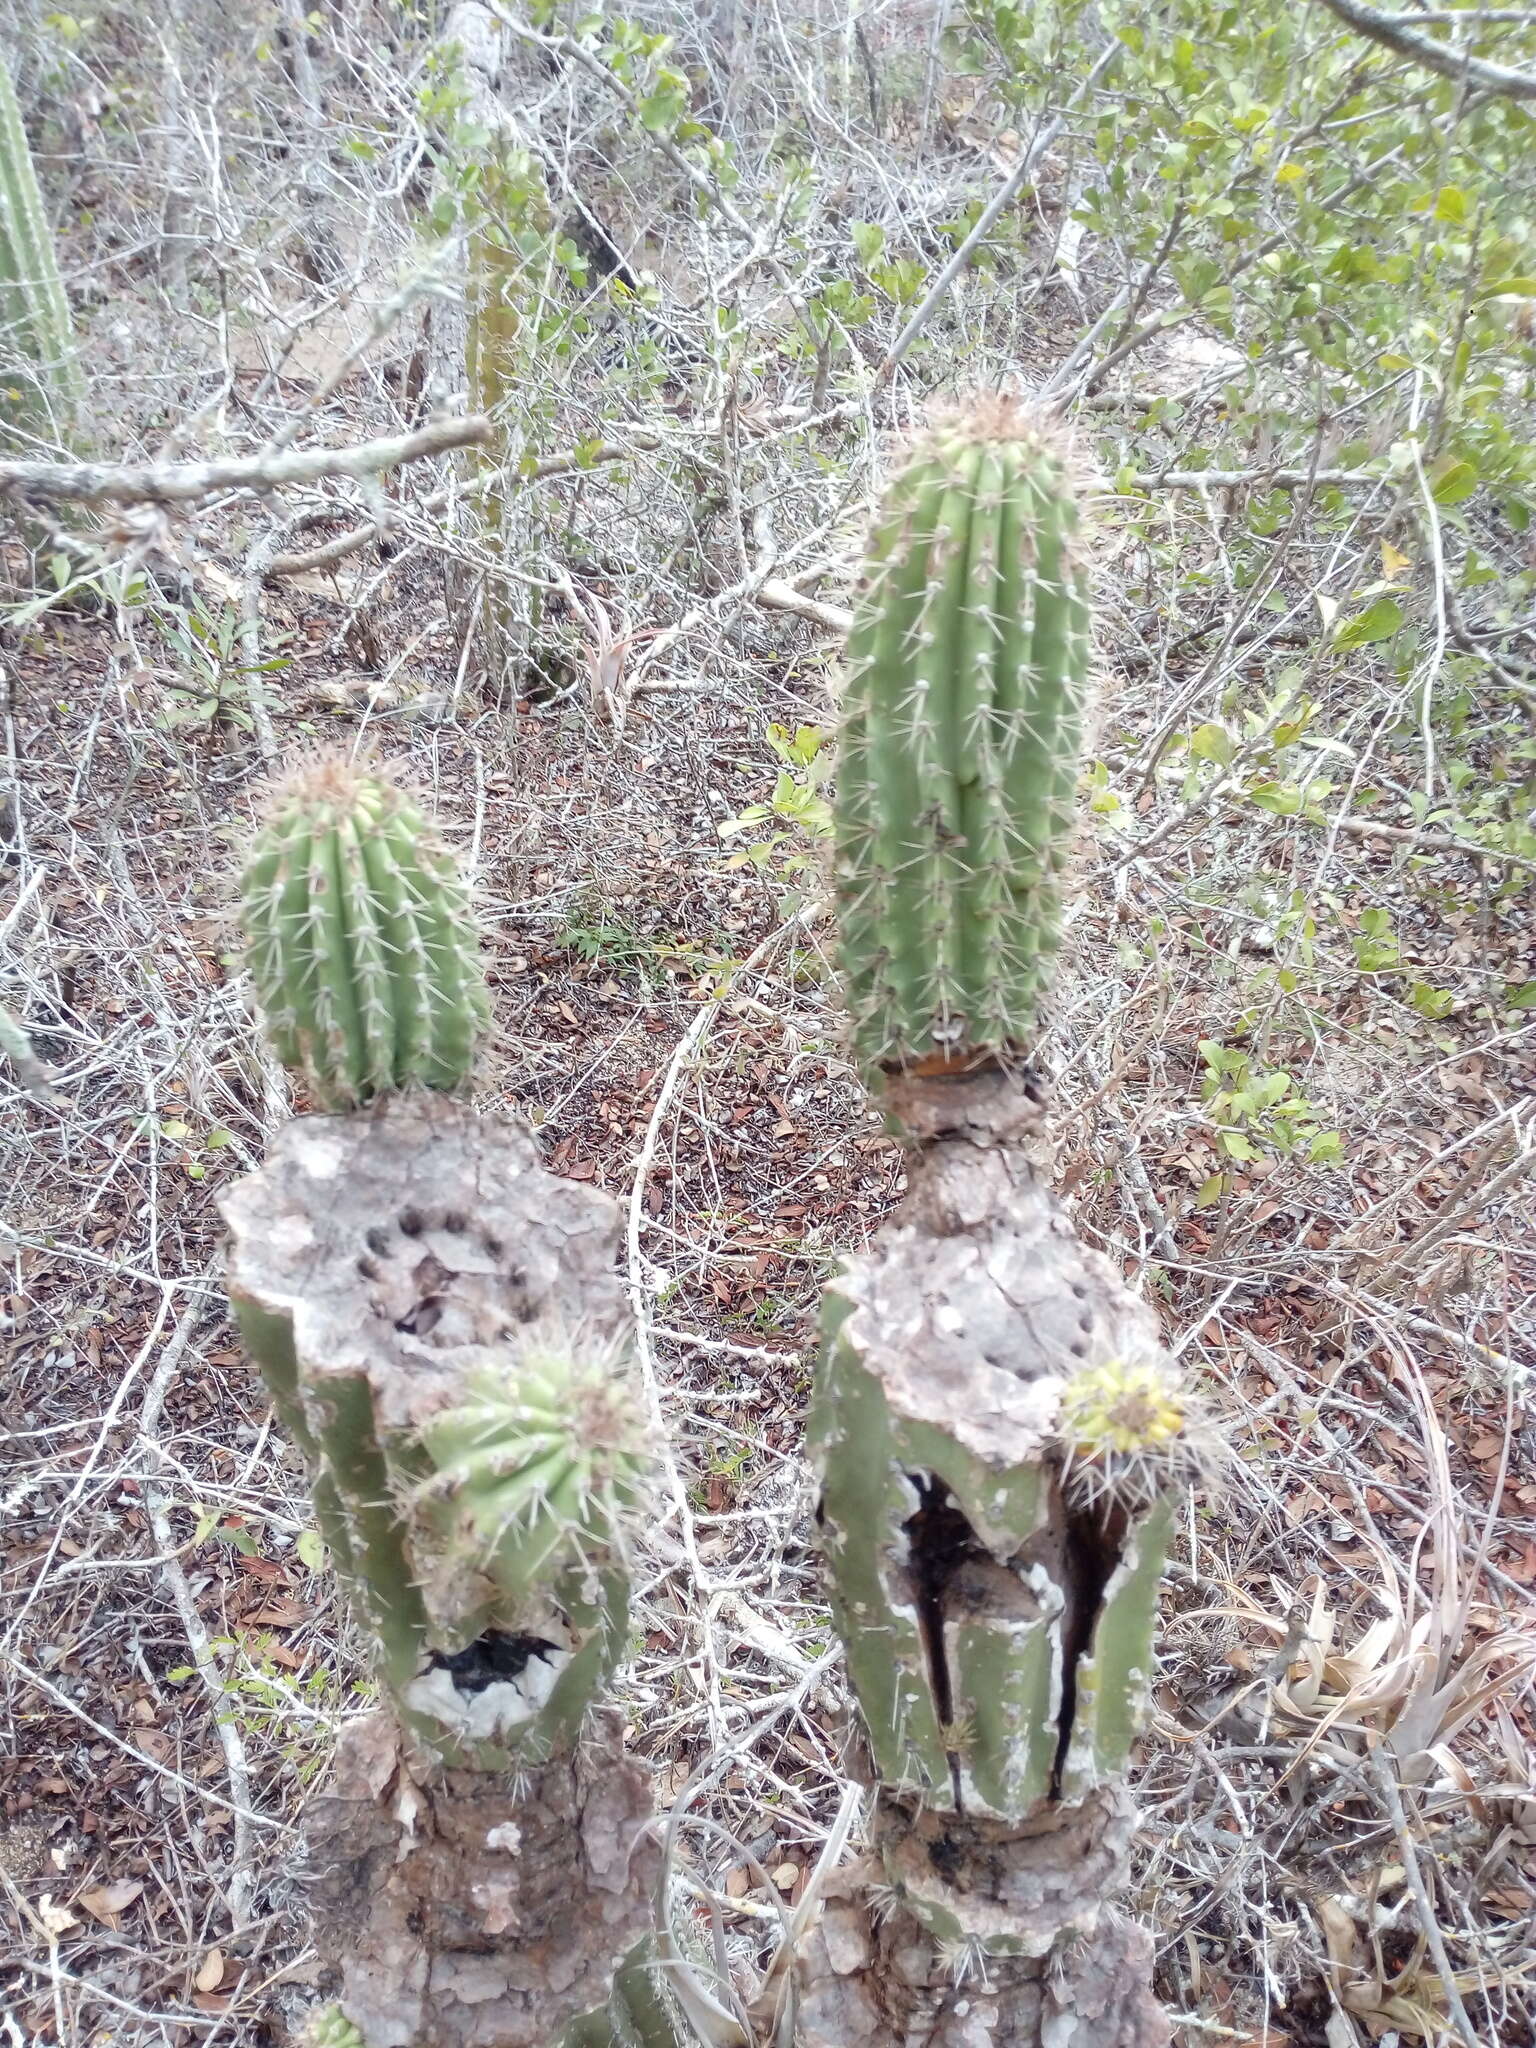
column 506, row 479
column 779, row 596
column 1457, row 65
column 180, row 483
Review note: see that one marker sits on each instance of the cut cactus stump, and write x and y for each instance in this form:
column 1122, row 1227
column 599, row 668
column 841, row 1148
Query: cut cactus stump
column 995, row 1585
column 443, row 1332
column 481, row 1910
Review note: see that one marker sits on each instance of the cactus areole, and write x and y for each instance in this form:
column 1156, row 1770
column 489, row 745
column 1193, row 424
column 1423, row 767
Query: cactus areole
column 968, row 674
column 361, row 946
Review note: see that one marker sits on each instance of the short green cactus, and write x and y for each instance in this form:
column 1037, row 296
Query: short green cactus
column 38, row 369
column 544, row 1465
column 330, row 2028
column 969, row 662
column 361, row 946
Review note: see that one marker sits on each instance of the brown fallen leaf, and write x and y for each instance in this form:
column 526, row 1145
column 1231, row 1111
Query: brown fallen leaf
column 105, row 1901
column 279, row 1613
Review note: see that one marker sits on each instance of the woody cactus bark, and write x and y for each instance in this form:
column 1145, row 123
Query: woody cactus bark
column 996, row 1428
column 444, row 1336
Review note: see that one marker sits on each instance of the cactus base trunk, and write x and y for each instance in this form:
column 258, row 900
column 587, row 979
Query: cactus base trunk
column 868, row 1979
column 476, row 1909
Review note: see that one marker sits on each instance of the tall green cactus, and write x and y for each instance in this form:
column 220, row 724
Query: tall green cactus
column 968, row 678
column 995, row 1427
column 39, row 373
column 361, row 947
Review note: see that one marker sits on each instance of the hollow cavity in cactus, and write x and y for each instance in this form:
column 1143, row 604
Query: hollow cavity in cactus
column 969, row 662
column 361, row 945
column 38, row 368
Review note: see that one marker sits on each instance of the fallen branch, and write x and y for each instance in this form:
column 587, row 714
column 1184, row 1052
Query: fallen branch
column 1426, row 842
column 1458, row 65
column 1240, row 479
column 779, row 596
column 172, row 483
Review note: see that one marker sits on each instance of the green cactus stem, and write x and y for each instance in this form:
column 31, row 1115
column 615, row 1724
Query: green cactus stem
column 39, row 372
column 444, row 1338
column 968, row 677
column 361, row 946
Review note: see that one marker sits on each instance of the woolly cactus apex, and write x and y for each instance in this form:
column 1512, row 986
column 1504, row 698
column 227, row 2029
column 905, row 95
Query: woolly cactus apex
column 968, row 678
column 360, row 941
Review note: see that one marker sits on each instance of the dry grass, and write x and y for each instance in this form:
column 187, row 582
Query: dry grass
column 1340, row 1831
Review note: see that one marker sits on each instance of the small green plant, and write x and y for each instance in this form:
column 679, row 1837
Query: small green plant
column 1376, row 947
column 797, row 805
column 1259, row 1115
column 604, row 938
column 291, row 1714
column 212, row 687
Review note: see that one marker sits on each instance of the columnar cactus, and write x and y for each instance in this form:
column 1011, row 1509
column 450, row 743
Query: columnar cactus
column 38, row 369
column 968, row 677
column 995, row 1427
column 361, row 948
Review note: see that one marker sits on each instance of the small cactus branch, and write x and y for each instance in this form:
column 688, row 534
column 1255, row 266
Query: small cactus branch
column 361, row 945
column 968, row 679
